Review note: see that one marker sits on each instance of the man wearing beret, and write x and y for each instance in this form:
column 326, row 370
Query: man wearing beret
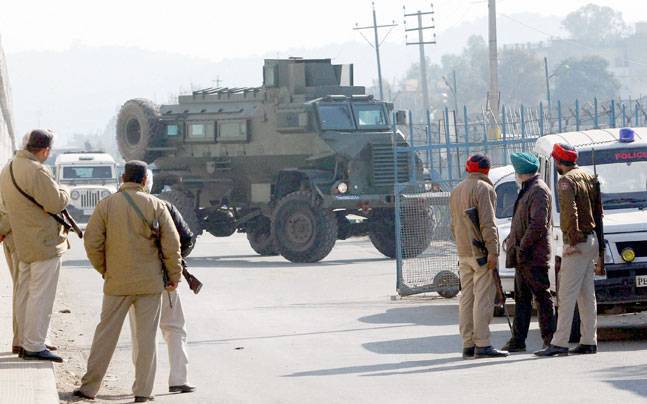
column 528, row 251
column 478, row 288
column 121, row 246
column 31, row 198
column 578, row 202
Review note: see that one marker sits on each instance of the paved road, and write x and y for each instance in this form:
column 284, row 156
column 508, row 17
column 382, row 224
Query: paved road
column 267, row 331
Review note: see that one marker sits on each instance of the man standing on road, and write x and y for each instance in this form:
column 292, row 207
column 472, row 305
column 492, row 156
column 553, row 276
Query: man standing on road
column 121, row 246
column 31, row 198
column 579, row 208
column 478, row 288
column 172, row 321
column 528, row 251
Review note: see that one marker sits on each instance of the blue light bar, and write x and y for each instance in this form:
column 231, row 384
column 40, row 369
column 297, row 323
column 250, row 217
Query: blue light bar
column 627, row 135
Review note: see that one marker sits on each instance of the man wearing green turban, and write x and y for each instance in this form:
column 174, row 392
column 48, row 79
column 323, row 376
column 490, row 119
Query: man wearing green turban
column 528, row 251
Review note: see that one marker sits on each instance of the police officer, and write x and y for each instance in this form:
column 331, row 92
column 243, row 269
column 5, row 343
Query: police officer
column 121, row 246
column 528, row 251
column 30, row 195
column 478, row 288
column 172, row 322
column 579, row 208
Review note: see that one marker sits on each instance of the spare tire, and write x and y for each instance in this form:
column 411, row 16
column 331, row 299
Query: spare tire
column 138, row 128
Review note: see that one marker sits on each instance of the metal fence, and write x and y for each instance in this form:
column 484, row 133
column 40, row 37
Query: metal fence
column 426, row 255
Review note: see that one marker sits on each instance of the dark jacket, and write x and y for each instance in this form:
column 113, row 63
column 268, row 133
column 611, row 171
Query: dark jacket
column 183, row 229
column 529, row 240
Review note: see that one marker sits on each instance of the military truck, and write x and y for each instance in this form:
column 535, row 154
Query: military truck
column 298, row 163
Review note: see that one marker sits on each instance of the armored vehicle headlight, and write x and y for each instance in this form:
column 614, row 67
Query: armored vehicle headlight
column 342, row 187
column 105, row 193
column 75, row 195
column 628, row 254
column 428, row 186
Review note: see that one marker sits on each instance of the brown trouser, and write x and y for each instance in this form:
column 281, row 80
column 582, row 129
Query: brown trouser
column 476, row 307
column 113, row 314
column 576, row 285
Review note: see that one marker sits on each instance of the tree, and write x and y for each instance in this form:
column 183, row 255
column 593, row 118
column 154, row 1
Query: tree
column 595, row 24
column 521, row 78
column 584, row 79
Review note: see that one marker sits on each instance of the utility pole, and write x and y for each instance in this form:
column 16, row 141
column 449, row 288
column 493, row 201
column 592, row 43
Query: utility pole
column 493, row 95
column 376, row 44
column 547, row 83
column 421, row 42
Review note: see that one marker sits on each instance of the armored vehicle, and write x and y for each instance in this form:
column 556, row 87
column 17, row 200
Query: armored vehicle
column 303, row 160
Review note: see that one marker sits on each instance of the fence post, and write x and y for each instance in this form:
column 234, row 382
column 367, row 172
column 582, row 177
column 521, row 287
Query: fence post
column 467, row 133
column 577, row 115
column 449, row 154
column 596, row 117
column 523, row 128
column 429, row 149
column 636, row 116
column 541, row 119
column 413, row 172
column 396, row 194
column 624, row 115
column 504, row 133
column 612, row 114
column 485, row 137
column 559, row 116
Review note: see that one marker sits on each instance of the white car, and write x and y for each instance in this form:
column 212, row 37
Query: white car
column 88, row 177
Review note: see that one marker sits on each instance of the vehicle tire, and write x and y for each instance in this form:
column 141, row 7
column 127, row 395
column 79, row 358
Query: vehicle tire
column 138, row 128
column 417, row 225
column 303, row 232
column 185, row 204
column 220, row 223
column 447, row 284
column 260, row 237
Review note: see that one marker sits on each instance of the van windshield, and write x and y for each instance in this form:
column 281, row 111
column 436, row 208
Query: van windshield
column 622, row 174
column 77, row 173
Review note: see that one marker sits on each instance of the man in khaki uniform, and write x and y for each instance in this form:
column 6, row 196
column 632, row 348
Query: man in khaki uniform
column 121, row 247
column 579, row 210
column 39, row 239
column 478, row 289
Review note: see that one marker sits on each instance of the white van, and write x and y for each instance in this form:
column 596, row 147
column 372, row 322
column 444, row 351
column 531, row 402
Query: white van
column 621, row 165
column 88, row 177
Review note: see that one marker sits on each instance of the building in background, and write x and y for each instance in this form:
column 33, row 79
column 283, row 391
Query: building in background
column 7, row 138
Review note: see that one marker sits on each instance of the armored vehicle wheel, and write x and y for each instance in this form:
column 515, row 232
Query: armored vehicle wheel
column 260, row 237
column 416, row 231
column 137, row 129
column 186, row 206
column 303, row 232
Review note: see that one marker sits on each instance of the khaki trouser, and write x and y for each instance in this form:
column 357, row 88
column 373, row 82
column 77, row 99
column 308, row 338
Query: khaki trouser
column 35, row 293
column 113, row 314
column 12, row 263
column 173, row 329
column 476, row 307
column 576, row 285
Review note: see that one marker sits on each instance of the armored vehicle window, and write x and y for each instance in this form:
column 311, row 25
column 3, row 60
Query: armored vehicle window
column 172, row 130
column 335, row 117
column 201, row 131
column 232, row 131
column 369, row 116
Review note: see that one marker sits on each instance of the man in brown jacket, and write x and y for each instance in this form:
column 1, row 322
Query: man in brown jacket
column 39, row 239
column 121, row 247
column 478, row 289
column 528, row 251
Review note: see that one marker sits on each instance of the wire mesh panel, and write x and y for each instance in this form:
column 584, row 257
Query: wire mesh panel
column 427, row 254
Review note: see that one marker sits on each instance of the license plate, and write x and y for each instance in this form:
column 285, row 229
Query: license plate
column 88, row 212
column 641, row 281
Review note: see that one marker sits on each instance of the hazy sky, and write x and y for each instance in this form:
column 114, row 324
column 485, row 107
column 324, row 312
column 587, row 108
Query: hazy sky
column 222, row 29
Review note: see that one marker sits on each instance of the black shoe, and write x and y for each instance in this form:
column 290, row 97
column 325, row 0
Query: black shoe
column 139, row 399
column 553, row 350
column 468, row 353
column 514, row 346
column 489, row 352
column 583, row 349
column 16, row 349
column 184, row 388
column 79, row 393
column 44, row 355
column 51, row 347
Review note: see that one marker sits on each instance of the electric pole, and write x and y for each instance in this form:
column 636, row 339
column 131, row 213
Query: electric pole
column 421, row 42
column 493, row 95
column 376, row 44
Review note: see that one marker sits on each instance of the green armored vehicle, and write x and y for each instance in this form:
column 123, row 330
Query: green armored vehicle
column 297, row 163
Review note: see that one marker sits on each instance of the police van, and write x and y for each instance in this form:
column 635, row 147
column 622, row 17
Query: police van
column 619, row 158
column 88, row 177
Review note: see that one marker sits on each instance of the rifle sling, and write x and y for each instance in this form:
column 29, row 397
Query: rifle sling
column 137, row 210
column 56, row 217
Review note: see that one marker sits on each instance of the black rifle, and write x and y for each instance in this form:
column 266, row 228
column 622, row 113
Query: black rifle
column 598, row 214
column 477, row 241
column 64, row 218
column 194, row 284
